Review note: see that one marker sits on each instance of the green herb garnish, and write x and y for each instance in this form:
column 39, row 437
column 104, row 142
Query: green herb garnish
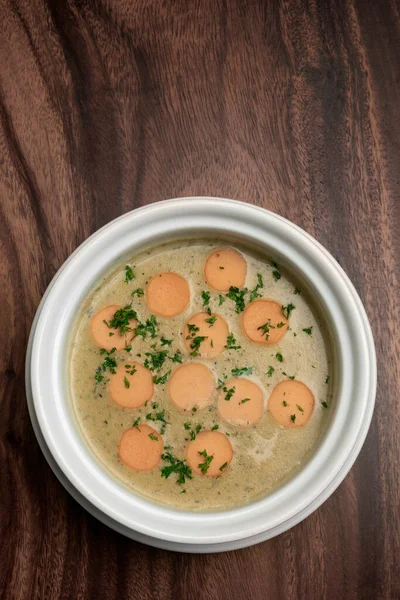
column 187, row 425
column 214, row 427
column 195, row 345
column 149, row 327
column 297, row 290
column 245, row 400
column 153, row 437
column 221, row 381
column 195, row 432
column 222, row 467
column 165, row 342
column 108, row 363
column 288, row 310
column 155, row 360
column 279, row 356
column 121, row 319
column 324, row 404
column 138, row 292
column 126, row 382
column 285, row 403
column 180, row 467
column 206, row 298
column 308, row 330
column 192, row 328
column 243, row 371
column 176, row 358
column 229, row 393
column 270, row 371
column 206, row 464
column 162, row 379
column 158, row 416
column 254, row 293
column 231, row 343
column 265, row 329
column 276, row 272
column 293, row 417
column 281, row 324
column 327, row 379
column 300, row 408
column 136, row 423
column 221, row 300
column 211, row 320
column 129, row 274
column 237, row 296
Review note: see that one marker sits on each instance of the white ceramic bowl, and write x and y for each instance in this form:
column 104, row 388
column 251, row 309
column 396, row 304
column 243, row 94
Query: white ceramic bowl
column 354, row 358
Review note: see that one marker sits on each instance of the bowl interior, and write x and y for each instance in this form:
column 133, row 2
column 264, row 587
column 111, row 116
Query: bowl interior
column 259, row 230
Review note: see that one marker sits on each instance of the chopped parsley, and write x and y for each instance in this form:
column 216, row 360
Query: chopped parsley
column 221, row 381
column 222, row 467
column 286, row 310
column 265, row 329
column 126, row 382
column 206, row 464
column 155, row 360
column 270, row 371
column 180, row 467
column 153, row 437
column 176, row 358
column 276, row 272
column 192, row 328
column 293, row 417
column 165, row 342
column 254, row 293
column 243, row 371
column 162, row 379
column 158, row 416
column 300, row 408
column 221, row 300
column 130, row 369
column 211, row 320
column 297, row 290
column 121, row 319
column 245, row 400
column 187, row 425
column 288, row 376
column 214, row 427
column 229, row 393
column 231, row 343
column 194, row 432
column 327, row 379
column 281, row 324
column 136, row 423
column 285, row 403
column 149, row 327
column 206, row 298
column 308, row 330
column 108, row 363
column 128, row 348
column 138, row 292
column 129, row 274
column 222, row 268
column 237, row 296
column 279, row 356
column 195, row 345
column 324, row 404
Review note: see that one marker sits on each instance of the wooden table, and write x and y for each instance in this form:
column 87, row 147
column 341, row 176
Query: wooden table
column 109, row 105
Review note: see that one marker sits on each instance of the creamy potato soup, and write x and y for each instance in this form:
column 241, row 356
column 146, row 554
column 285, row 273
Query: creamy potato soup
column 200, row 374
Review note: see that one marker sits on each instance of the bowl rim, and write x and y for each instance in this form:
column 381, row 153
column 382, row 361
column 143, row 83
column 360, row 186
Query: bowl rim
column 357, row 364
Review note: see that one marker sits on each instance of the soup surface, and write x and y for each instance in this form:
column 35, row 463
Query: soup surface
column 200, row 374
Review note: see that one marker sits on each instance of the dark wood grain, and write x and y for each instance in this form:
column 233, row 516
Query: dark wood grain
column 109, row 105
